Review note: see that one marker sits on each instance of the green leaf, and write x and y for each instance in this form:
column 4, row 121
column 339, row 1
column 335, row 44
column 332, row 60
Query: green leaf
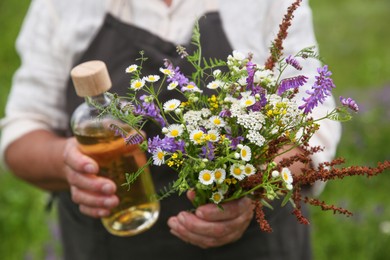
column 287, row 198
column 340, row 114
column 266, row 204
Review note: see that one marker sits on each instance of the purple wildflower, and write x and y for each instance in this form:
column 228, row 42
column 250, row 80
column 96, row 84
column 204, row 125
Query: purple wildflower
column 235, row 141
column 149, row 109
column 293, row 62
column 134, row 139
column 118, row 131
column 208, row 151
column 251, row 69
column 320, row 90
column 178, row 77
column 225, row 113
column 350, row 103
column 167, row 144
column 289, row 83
column 262, row 101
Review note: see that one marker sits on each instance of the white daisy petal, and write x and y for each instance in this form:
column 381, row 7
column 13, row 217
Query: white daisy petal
column 249, row 169
column 167, row 72
column 171, row 105
column 217, row 121
column 197, row 136
column 131, row 68
column 158, row 157
column 206, row 177
column 137, row 84
column 216, row 197
column 172, row 85
column 219, row 175
column 152, row 78
column 174, row 130
column 237, row 171
column 213, row 136
column 246, row 153
column 287, row 176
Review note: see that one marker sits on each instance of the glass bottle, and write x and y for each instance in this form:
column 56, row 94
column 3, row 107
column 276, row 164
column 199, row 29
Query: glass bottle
column 138, row 209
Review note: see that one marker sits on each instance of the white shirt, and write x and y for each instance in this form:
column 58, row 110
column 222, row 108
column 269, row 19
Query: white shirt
column 55, row 33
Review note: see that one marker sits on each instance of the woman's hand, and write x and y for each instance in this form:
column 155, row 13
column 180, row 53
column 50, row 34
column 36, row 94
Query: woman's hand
column 212, row 227
column 95, row 195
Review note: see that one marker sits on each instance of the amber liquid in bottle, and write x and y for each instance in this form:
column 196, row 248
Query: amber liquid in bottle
column 138, row 209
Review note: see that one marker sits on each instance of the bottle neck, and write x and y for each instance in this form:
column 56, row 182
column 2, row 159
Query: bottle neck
column 99, row 100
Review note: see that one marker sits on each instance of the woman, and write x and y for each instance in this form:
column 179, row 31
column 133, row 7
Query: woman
column 57, row 35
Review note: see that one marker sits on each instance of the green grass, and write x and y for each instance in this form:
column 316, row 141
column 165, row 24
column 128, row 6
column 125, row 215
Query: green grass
column 354, row 40
column 24, row 231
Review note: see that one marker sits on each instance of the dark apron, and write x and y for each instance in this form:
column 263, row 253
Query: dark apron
column 84, row 238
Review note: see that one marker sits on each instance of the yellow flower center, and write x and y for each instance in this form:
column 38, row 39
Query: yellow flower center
column 160, row 155
column 218, row 175
column 243, row 152
column 198, row 137
column 175, row 132
column 212, row 137
column 217, row 121
column 217, row 197
column 207, row 176
column 248, row 102
column 237, row 171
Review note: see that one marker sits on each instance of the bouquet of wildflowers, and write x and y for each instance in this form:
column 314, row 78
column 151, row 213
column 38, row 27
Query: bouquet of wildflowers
column 223, row 146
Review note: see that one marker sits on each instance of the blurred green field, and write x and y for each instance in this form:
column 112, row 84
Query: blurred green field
column 354, row 39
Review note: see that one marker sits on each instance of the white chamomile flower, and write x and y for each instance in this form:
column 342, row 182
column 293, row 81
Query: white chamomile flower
column 216, row 197
column 206, row 177
column 242, row 81
column 289, row 186
column 213, row 136
column 197, row 136
column 158, row 157
column 275, row 174
column 152, row 78
column 214, row 84
column 239, row 56
column 191, row 87
column 287, row 176
column 167, row 72
column 217, row 121
column 216, row 73
column 172, row 85
column 137, row 84
column 219, row 175
column 237, row 171
column 131, row 68
column 246, row 153
column 174, row 130
column 247, row 101
column 249, row 169
column 171, row 105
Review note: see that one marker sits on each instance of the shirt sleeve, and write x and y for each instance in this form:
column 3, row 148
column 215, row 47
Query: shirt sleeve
column 52, row 34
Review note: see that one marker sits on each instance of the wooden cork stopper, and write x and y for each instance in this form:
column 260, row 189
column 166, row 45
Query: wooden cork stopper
column 91, row 78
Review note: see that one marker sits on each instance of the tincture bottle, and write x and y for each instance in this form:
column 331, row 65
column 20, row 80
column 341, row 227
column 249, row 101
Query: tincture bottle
column 138, row 209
